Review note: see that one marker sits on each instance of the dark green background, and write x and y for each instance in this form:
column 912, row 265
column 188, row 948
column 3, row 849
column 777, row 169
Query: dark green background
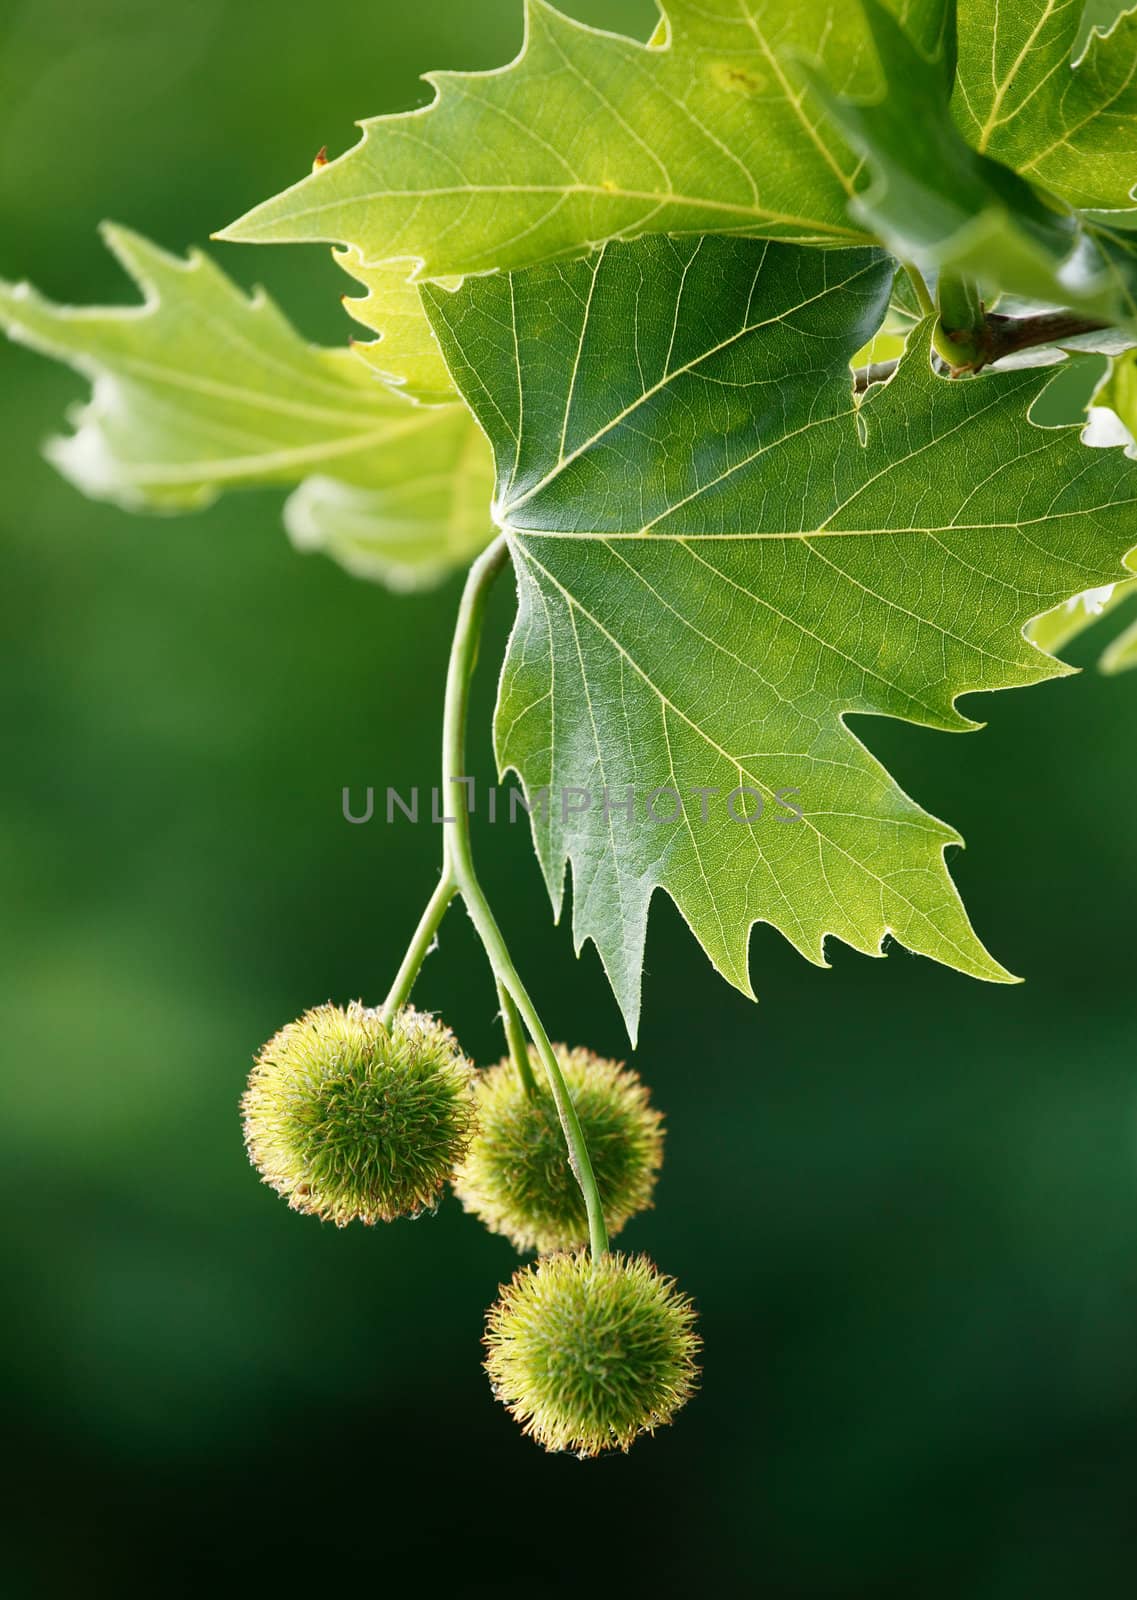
column 905, row 1202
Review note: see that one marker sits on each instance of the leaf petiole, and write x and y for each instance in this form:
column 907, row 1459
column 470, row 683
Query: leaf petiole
column 920, row 289
column 961, row 329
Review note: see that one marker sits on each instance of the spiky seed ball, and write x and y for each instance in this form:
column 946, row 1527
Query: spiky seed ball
column 589, row 1354
column 516, row 1177
column 346, row 1118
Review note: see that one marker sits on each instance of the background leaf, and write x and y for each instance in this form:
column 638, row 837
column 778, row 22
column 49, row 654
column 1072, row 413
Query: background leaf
column 1113, row 421
column 202, row 388
column 721, row 554
column 410, row 532
column 720, row 124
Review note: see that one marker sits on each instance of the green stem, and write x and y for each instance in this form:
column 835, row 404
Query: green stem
column 516, row 1039
column 920, row 290
column 419, row 947
column 1005, row 336
column 458, row 867
column 961, row 305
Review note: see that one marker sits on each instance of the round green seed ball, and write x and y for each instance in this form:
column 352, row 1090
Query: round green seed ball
column 588, row 1354
column 516, row 1176
column 348, row 1118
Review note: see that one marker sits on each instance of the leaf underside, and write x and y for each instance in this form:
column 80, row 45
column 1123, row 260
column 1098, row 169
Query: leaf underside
column 721, row 555
column 203, row 388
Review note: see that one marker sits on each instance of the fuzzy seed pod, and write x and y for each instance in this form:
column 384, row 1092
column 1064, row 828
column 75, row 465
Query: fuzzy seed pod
column 589, row 1354
column 346, row 1118
column 516, row 1176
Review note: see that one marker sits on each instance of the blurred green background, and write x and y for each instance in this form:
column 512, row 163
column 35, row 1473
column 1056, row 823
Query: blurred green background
column 905, row 1202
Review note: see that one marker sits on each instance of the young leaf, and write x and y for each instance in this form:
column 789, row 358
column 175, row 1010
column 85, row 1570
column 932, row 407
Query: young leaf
column 589, row 136
column 936, row 200
column 1020, row 97
column 1113, row 420
column 404, row 352
column 721, row 555
column 202, row 388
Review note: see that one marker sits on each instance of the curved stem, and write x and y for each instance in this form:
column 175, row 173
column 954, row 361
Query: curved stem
column 516, row 1040
column 1005, row 335
column 419, row 947
column 458, row 867
column 919, row 289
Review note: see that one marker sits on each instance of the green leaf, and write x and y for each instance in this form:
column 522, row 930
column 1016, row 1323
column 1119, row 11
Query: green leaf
column 202, row 388
column 1113, row 421
column 404, row 352
column 721, row 556
column 936, row 200
column 411, row 531
column 1021, row 97
column 588, row 136
column 756, row 117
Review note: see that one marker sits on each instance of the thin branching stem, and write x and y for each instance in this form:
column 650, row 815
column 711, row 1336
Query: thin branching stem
column 419, row 947
column 1005, row 336
column 515, row 1038
column 458, row 867
column 459, row 877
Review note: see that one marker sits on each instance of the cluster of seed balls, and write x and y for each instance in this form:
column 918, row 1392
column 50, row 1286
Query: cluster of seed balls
column 351, row 1118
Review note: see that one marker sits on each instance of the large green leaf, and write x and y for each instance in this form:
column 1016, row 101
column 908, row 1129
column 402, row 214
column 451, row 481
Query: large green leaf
column 202, row 388
column 1021, row 97
column 721, row 555
column 412, row 529
column 589, row 136
column 717, row 125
